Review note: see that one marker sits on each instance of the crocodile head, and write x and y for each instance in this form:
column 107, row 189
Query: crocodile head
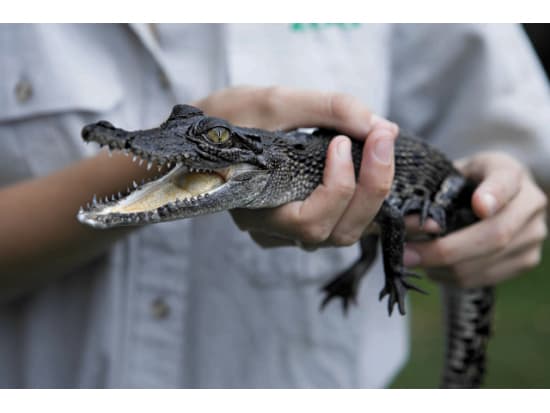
column 209, row 165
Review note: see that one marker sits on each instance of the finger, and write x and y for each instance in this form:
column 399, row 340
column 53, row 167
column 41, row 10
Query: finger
column 375, row 179
column 285, row 108
column 485, row 237
column 501, row 177
column 313, row 219
column 489, row 271
column 412, row 224
column 533, row 232
column 342, row 112
column 483, row 268
column 501, row 270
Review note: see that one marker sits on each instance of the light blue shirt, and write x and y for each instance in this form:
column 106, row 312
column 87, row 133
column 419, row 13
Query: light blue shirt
column 195, row 303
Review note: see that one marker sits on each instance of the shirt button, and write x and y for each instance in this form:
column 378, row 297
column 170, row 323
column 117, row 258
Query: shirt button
column 160, row 309
column 23, row 91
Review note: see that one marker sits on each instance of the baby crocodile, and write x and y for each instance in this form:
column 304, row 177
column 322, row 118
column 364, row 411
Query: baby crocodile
column 211, row 165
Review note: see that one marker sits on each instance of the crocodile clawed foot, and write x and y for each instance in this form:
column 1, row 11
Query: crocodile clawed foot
column 437, row 213
column 344, row 287
column 396, row 288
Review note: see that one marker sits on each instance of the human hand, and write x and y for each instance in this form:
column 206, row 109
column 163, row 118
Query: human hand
column 506, row 241
column 341, row 208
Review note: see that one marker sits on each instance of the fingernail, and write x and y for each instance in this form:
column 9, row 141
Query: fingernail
column 410, row 257
column 490, row 203
column 344, row 149
column 383, row 149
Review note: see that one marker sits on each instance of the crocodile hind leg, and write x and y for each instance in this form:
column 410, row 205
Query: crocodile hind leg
column 392, row 227
column 346, row 284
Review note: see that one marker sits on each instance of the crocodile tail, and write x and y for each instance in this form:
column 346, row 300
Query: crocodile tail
column 468, row 325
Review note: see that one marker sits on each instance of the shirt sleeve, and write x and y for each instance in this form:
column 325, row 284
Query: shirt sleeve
column 469, row 88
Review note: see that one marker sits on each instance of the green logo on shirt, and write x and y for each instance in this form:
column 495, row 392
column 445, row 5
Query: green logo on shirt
column 305, row 27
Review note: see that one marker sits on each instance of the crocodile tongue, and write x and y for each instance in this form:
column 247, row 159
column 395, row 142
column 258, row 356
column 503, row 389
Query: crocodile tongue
column 176, row 185
column 195, row 183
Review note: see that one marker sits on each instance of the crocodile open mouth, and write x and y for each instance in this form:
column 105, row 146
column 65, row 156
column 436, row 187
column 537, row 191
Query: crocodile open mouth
column 181, row 187
column 179, row 184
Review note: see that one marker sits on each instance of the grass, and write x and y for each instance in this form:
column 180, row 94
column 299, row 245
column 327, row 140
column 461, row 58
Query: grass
column 519, row 352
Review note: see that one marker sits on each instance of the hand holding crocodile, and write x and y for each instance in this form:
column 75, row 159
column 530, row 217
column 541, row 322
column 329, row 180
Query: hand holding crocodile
column 339, row 210
column 508, row 239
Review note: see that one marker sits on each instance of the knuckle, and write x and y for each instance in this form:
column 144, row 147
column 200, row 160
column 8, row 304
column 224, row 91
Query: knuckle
column 443, row 254
column 340, row 105
column 271, row 99
column 293, row 219
column 315, row 233
column 510, row 161
column 501, row 236
column 344, row 189
column 344, row 238
column 382, row 187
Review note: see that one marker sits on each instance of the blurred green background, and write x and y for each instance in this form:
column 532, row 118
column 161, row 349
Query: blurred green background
column 519, row 351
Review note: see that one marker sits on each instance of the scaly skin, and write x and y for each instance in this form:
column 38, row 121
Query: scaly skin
column 219, row 166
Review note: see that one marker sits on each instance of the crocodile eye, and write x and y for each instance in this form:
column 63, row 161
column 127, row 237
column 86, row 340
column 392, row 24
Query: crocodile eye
column 218, row 135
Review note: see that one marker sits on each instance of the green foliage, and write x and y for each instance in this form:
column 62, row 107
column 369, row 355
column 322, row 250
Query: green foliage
column 519, row 352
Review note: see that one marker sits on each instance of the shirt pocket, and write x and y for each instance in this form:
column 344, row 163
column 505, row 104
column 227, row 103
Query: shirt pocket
column 47, row 93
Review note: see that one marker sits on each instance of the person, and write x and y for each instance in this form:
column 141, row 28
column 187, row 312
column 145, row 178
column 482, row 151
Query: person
column 197, row 303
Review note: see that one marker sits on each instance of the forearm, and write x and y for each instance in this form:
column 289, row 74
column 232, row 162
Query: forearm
column 40, row 236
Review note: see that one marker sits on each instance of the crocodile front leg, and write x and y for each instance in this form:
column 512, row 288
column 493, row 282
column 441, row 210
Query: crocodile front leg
column 392, row 235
